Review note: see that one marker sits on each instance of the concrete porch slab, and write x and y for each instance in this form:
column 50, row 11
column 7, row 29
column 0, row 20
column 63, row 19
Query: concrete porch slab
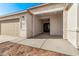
column 62, row 46
column 33, row 42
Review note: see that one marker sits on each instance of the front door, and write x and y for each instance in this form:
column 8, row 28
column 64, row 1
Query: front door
column 46, row 27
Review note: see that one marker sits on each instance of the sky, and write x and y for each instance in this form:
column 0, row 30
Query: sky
column 6, row 8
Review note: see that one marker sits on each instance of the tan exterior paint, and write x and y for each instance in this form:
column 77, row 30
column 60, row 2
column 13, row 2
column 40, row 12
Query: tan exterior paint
column 56, row 24
column 55, row 20
column 78, row 25
column 72, row 25
column 65, row 24
column 37, row 25
column 30, row 23
column 9, row 17
column 22, row 33
column 10, row 27
column 23, row 25
column 47, row 7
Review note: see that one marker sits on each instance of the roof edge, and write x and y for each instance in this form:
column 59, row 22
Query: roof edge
column 28, row 10
column 13, row 13
column 23, row 10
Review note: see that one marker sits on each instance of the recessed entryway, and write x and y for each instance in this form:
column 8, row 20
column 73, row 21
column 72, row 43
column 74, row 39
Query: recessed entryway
column 50, row 25
column 46, row 25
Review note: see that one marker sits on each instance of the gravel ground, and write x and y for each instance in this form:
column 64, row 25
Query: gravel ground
column 14, row 49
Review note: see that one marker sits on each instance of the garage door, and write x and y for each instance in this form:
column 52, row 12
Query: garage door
column 10, row 27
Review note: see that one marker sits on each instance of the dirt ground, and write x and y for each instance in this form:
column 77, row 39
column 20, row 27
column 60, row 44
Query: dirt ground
column 14, row 49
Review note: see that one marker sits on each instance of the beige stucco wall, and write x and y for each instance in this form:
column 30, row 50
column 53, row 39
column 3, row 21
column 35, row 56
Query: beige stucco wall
column 72, row 25
column 10, row 17
column 56, row 24
column 65, row 14
column 29, row 25
column 0, row 29
column 47, row 7
column 78, row 25
column 37, row 25
column 22, row 22
column 23, row 25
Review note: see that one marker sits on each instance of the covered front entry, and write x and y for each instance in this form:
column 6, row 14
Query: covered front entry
column 50, row 25
column 47, row 19
column 9, row 27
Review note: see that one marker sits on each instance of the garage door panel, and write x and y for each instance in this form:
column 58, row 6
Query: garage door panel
column 10, row 27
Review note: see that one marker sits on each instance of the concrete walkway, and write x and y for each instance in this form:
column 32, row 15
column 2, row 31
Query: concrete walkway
column 62, row 46
column 58, row 45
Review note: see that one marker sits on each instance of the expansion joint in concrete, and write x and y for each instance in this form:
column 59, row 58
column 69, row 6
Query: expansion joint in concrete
column 43, row 43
